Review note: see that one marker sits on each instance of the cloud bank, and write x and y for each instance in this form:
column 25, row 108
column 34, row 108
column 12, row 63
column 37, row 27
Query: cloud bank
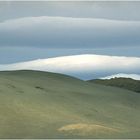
column 66, row 32
column 82, row 66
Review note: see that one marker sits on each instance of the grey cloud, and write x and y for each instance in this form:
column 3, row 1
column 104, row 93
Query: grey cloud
column 62, row 32
column 121, row 10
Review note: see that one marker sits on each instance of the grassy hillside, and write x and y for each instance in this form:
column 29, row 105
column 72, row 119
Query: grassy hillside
column 126, row 83
column 47, row 105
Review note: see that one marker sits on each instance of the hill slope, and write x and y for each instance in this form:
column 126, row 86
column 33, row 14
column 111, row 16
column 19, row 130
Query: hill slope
column 126, row 83
column 47, row 105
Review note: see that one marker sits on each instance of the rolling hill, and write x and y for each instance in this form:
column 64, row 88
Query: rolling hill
column 126, row 83
column 36, row 104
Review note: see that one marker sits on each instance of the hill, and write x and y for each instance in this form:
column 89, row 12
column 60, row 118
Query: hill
column 37, row 104
column 126, row 83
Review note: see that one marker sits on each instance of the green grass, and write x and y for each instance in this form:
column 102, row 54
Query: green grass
column 126, row 83
column 37, row 104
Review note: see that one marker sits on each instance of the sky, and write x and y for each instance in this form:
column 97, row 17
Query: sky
column 37, row 30
column 33, row 30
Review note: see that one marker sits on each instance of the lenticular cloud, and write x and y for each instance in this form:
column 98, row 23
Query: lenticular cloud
column 82, row 66
column 66, row 32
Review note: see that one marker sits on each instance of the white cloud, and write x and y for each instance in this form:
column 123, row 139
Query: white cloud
column 82, row 66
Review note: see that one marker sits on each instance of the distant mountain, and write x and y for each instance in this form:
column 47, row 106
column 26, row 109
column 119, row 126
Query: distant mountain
column 126, row 83
column 123, row 75
column 84, row 66
column 39, row 105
